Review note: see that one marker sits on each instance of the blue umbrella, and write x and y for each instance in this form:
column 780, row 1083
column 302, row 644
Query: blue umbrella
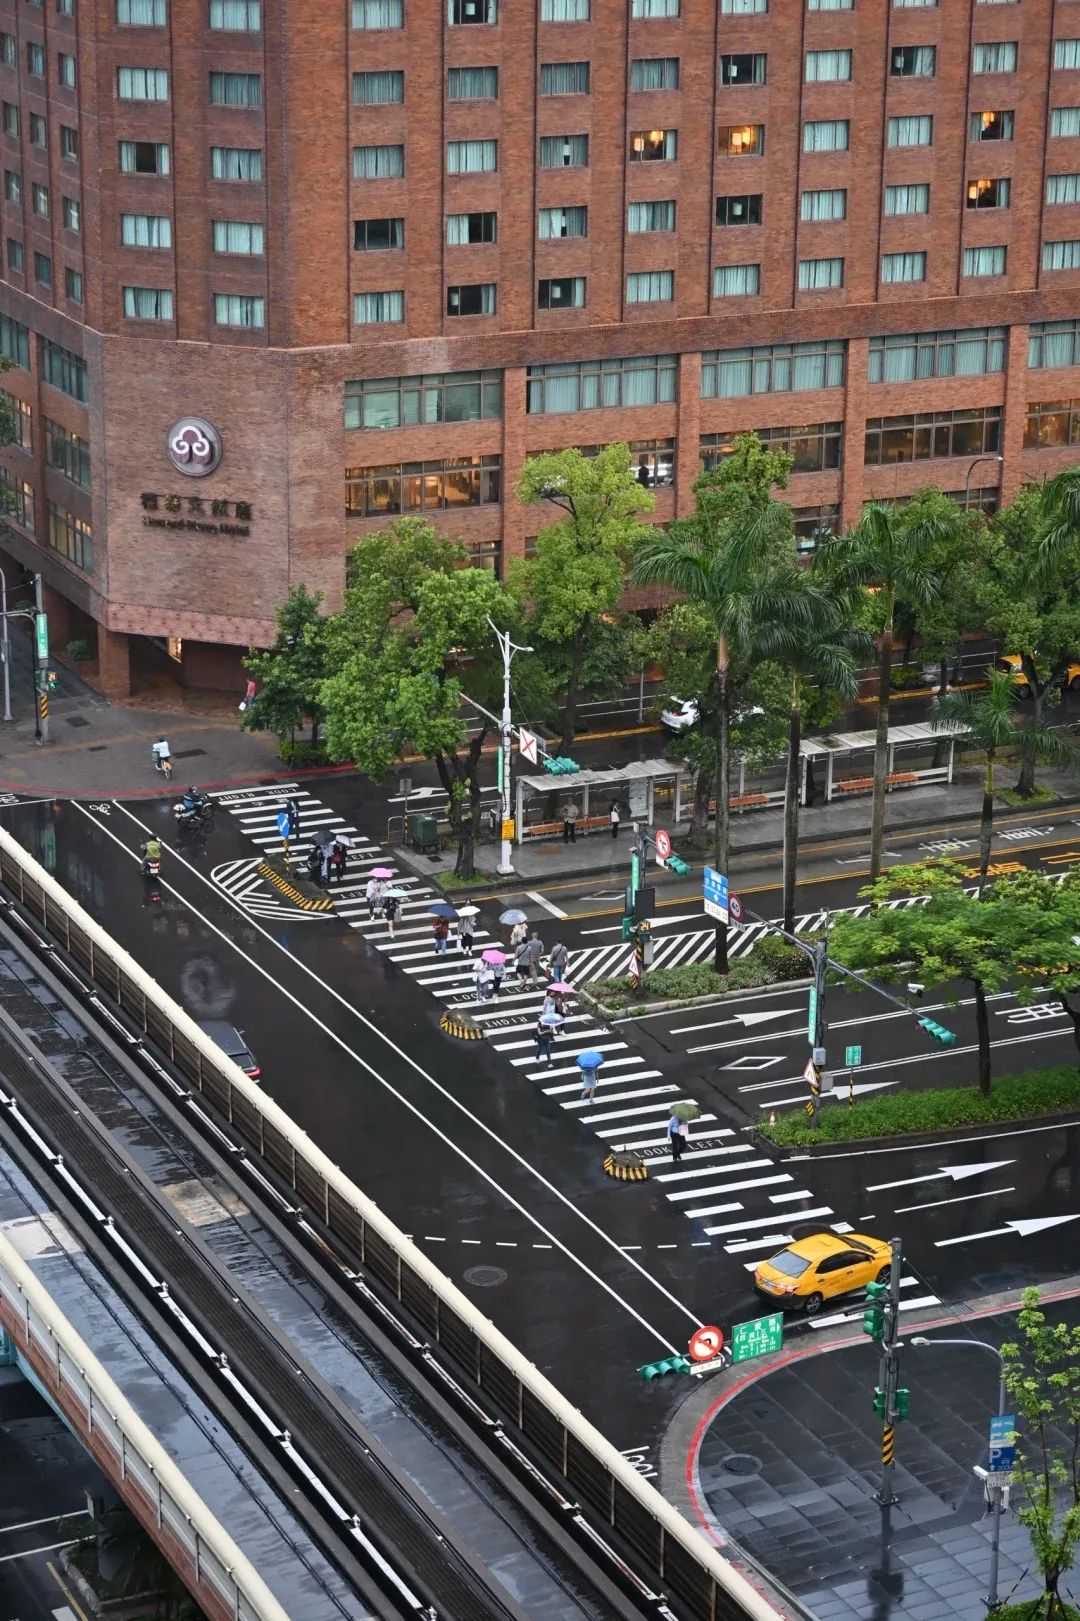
column 590, row 1060
column 442, row 909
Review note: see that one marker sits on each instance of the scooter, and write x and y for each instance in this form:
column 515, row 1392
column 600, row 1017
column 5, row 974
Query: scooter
column 199, row 814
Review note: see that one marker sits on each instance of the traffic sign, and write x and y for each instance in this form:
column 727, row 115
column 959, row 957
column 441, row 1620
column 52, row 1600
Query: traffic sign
column 528, row 744
column 811, row 1015
column 757, row 1338
column 663, row 844
column 283, row 823
column 716, row 894
column 852, row 1057
column 735, row 907
column 41, row 635
column 706, row 1342
column 1002, row 1443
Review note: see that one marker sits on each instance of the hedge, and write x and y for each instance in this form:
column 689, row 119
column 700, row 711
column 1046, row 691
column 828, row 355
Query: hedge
column 771, row 961
column 1036, row 1609
column 1014, row 1097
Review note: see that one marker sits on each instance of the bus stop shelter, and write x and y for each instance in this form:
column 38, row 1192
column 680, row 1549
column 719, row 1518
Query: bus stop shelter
column 848, row 759
column 644, row 790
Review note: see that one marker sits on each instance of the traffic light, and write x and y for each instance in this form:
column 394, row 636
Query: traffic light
column 669, row 1364
column 627, row 926
column 902, row 1402
column 559, row 765
column 678, row 866
column 873, row 1321
column 938, row 1031
column 880, row 1403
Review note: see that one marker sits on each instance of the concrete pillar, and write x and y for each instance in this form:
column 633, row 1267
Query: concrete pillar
column 114, row 663
column 687, row 452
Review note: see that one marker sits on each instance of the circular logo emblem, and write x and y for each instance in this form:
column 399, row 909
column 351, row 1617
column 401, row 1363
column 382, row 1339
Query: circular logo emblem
column 194, row 447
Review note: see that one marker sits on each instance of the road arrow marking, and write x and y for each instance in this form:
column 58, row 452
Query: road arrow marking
column 961, row 1198
column 1023, row 1227
column 959, row 1173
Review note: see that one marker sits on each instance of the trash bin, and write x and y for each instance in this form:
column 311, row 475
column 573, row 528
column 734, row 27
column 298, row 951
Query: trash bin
column 424, row 833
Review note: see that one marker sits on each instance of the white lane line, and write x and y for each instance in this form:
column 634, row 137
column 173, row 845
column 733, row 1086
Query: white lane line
column 556, row 911
column 853, row 1316
column 767, row 1221
column 622, row 1097
column 622, row 1114
column 727, row 1187
column 785, row 1198
column 965, row 1198
column 608, row 1080
column 705, row 1170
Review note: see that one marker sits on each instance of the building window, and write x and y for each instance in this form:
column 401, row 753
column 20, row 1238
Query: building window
column 823, row 205
column 739, row 210
column 564, row 11
column 378, row 162
column 998, row 126
column 72, row 215
column 827, row 67
column 814, row 525
column 564, row 78
column 39, row 131
column 1065, row 121
column 403, row 402
column 815, row 274
column 913, row 199
column 19, row 505
column 43, row 269
column 464, row 230
column 66, row 453
column 655, row 73
column 140, row 13
column 913, row 61
column 912, row 356
column 736, row 281
column 587, row 385
column 815, row 447
column 378, row 13
column 382, row 89
column 12, row 186
column 238, row 236
column 39, row 200
column 913, row 5
column 459, row 12
column 650, row 10
column 471, row 298
column 15, row 344
column 743, row 8
column 830, row 5
column 1052, row 425
column 144, row 157
column 741, row 140
column 148, row 303
column 1050, row 343
column 561, row 293
column 903, row 267
column 65, row 8
column 1061, row 256
column 69, row 143
column 650, row 287
column 144, row 84
column 73, row 285
column 999, row 56
column 564, row 151
column 988, row 193
column 652, row 462
column 454, row 481
column 241, row 89
column 825, row 135
column 562, row 222
column 643, row 217
column 1062, row 188
column 1067, row 53
column 653, row 145
column 986, row 261
column 16, row 259
column 743, row 68
column 378, row 309
column 71, row 537
column 65, row 70
column 9, row 53
column 374, row 236
column 146, row 230
column 11, row 120
column 239, row 309
column 236, row 163
column 779, row 368
column 932, row 434
column 59, row 367
column 472, row 84
column 915, row 131
column 35, row 60
column 472, row 157
column 21, row 417
column 236, row 16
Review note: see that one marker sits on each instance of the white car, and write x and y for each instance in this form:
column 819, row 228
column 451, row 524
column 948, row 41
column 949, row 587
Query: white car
column 680, row 714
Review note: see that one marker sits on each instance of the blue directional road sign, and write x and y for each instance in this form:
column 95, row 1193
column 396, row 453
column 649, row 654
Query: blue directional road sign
column 283, row 823
column 716, row 894
column 1002, row 1443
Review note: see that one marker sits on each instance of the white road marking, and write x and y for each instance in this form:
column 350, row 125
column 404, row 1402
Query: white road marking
column 964, row 1198
column 958, row 1173
column 736, row 1226
column 556, row 911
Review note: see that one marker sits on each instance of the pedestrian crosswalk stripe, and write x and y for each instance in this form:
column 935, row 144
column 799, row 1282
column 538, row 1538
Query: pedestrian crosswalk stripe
column 766, row 1221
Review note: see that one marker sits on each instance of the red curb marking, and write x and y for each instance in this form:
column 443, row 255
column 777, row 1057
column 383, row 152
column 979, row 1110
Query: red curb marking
column 257, row 777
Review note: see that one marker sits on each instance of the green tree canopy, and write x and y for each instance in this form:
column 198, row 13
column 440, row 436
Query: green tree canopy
column 290, row 672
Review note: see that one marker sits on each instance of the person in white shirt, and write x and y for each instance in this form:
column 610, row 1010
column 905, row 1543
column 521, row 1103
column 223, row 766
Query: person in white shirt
column 162, row 756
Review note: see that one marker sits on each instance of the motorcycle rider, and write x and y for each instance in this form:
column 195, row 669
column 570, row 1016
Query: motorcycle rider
column 194, row 802
column 151, row 852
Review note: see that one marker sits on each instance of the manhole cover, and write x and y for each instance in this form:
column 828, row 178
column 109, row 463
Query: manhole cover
column 76, row 720
column 742, row 1463
column 485, row 1277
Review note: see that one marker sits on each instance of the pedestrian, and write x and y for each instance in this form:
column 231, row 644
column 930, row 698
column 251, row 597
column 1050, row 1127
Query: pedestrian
column 314, row 863
column 678, row 1132
column 534, row 951
column 380, row 896
column 549, row 1011
column 371, row 895
column 613, row 818
column 588, row 1073
column 558, row 960
column 498, row 969
column 441, row 931
column 569, row 823
column 338, row 858
column 326, row 856
column 483, row 977
column 249, row 695
column 545, row 1035
column 292, row 811
column 390, row 911
column 518, row 933
column 521, row 959
column 466, row 930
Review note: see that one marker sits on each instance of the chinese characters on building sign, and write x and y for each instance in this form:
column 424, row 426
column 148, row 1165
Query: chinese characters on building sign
column 197, row 515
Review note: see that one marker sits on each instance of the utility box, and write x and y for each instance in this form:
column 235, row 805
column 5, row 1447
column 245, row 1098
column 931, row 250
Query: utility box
column 424, row 833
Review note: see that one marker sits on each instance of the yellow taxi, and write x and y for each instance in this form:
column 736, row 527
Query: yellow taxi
column 819, row 1267
column 1011, row 663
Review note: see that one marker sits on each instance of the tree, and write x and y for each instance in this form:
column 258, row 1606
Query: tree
column 569, row 592
column 1047, row 911
column 289, row 673
column 1041, row 1370
column 415, row 622
column 889, row 551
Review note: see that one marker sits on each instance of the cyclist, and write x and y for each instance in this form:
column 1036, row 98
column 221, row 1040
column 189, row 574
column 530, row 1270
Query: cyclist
column 162, row 757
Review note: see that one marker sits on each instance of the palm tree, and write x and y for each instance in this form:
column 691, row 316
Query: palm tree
column 892, row 557
column 1060, row 503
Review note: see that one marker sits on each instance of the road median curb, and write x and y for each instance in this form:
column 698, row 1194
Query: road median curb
column 913, row 1139
column 639, row 1008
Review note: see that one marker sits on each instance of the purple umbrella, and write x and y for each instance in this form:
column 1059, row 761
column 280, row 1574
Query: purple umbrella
column 560, row 987
column 382, row 872
column 494, row 957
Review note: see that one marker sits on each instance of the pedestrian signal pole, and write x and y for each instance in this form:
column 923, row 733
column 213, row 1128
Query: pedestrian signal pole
column 506, row 744
column 881, row 1320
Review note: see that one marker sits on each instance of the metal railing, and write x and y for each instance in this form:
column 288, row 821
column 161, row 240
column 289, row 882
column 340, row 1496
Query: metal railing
column 664, row 1549
column 194, row 1541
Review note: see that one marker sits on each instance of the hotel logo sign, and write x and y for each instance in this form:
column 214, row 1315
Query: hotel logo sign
column 194, row 447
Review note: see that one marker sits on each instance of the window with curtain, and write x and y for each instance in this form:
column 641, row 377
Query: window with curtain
column 913, row 62
column 814, row 274
column 1061, row 256
column 465, row 230
column 459, row 12
column 560, row 293
column 378, row 309
column 35, row 60
column 992, row 126
column 653, row 145
column 743, row 8
column 39, row 200
column 39, row 130
column 399, row 402
column 914, row 199
column 15, row 346
column 997, row 56
column 914, row 131
column 72, row 215
column 650, row 287
column 65, row 69
column 378, row 162
column 146, row 230
column 827, row 67
column 471, row 298
column 143, row 157
column 378, row 13
column 564, row 11
column 142, row 84
column 1049, row 425
column 378, row 89
column 823, row 205
column 12, row 186
column 984, row 261
column 586, row 385
column 16, row 257
column 911, row 5
column 558, row 222
column 825, row 135
column 1063, row 188
column 564, row 78
column 141, row 13
column 741, row 140
column 472, row 84
column 830, row 5
column 743, row 68
column 736, row 281
column 654, row 73
column 641, row 217
column 236, row 16
column 1051, row 343
column 903, row 267
column 779, row 368
column 238, row 236
column 1065, row 121
column 650, row 9
column 73, row 285
column 148, row 303
column 910, row 357
column 988, row 193
column 69, row 143
column 239, row 309
column 564, row 151
column 236, row 90
column 236, row 163
column 472, row 157
column 1067, row 53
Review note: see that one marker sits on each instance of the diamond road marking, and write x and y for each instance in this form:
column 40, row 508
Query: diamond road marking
column 753, row 1061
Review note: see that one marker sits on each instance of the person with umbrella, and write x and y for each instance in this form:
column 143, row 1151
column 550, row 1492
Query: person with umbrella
column 515, row 920
column 467, row 928
column 391, row 902
column 339, row 855
column 441, row 931
column 545, row 1036
column 496, row 962
column 371, row 895
column 589, row 1068
column 376, row 889
column 557, row 992
column 483, row 977
column 678, row 1128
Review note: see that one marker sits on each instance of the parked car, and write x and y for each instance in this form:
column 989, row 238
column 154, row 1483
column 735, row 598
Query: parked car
column 233, row 1044
column 1011, row 662
column 679, row 714
column 821, row 1266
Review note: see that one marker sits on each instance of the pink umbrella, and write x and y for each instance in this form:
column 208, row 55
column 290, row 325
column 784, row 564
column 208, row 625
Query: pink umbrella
column 494, row 957
column 382, row 872
column 560, row 987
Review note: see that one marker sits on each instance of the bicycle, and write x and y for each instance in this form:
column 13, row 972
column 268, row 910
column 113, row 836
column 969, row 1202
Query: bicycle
column 162, row 759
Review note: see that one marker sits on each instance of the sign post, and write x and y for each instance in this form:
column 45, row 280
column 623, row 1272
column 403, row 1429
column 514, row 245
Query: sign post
column 852, row 1060
column 757, row 1338
column 662, row 840
column 716, row 895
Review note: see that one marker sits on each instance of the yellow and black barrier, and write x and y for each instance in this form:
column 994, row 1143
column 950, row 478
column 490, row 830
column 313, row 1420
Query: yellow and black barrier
column 290, row 891
column 460, row 1025
column 625, row 1167
column 888, row 1445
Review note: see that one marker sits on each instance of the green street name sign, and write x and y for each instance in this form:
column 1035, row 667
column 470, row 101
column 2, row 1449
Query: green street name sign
column 757, row 1338
column 852, row 1057
column 811, row 1015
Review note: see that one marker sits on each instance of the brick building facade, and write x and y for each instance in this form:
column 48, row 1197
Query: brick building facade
column 388, row 248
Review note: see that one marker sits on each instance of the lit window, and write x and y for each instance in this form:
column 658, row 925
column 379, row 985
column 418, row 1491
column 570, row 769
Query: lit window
column 741, row 140
column 653, row 145
column 988, row 193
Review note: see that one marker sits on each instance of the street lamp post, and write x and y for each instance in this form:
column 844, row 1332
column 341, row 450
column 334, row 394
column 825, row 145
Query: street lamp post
column 507, row 648
column 992, row 1601
column 967, row 482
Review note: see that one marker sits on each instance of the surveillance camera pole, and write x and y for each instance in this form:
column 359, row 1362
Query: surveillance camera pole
column 507, row 648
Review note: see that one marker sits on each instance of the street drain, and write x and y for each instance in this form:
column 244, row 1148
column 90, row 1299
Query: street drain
column 485, row 1277
column 743, row 1464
